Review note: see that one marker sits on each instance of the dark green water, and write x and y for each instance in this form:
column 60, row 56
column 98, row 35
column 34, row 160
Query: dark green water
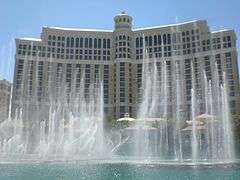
column 118, row 171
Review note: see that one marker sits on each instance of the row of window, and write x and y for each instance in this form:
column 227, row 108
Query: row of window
column 124, row 50
column 79, row 42
column 106, row 43
column 165, row 39
column 122, row 19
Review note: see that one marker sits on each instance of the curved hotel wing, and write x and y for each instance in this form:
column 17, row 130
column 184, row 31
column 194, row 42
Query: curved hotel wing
column 67, row 54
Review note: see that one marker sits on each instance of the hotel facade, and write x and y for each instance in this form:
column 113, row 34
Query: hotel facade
column 57, row 62
column 5, row 91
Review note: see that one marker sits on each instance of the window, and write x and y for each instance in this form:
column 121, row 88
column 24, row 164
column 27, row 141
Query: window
column 104, row 43
column 155, row 40
column 81, row 42
column 99, row 43
column 90, row 42
column 68, row 41
column 159, row 40
column 164, row 39
column 95, row 42
column 150, row 40
column 72, row 42
column 108, row 43
column 77, row 42
column 228, row 54
column 169, row 38
column 146, row 41
column 86, row 43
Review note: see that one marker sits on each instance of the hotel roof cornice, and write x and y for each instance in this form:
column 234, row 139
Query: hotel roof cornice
column 173, row 27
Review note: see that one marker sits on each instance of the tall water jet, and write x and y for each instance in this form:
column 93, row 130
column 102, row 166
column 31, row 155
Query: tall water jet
column 178, row 122
column 220, row 140
column 164, row 96
column 195, row 133
column 227, row 134
column 146, row 107
column 152, row 140
column 194, row 139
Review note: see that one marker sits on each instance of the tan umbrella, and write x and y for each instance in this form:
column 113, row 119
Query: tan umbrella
column 205, row 116
column 126, row 118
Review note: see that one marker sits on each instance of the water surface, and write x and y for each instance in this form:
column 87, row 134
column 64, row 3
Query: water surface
column 122, row 171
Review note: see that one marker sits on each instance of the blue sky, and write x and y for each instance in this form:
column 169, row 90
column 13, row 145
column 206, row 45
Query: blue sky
column 21, row 18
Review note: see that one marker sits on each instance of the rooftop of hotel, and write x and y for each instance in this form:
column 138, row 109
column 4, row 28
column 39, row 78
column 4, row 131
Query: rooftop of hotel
column 137, row 29
column 168, row 25
column 175, row 25
column 78, row 29
column 30, row 39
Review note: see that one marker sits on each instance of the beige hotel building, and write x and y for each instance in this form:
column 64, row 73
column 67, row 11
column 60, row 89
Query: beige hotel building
column 5, row 96
column 55, row 63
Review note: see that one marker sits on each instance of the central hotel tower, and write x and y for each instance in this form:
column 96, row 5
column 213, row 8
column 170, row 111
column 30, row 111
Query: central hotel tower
column 53, row 66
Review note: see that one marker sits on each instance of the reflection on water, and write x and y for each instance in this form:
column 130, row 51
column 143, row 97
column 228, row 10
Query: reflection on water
column 76, row 170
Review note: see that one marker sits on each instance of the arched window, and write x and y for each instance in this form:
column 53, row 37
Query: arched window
column 169, row 38
column 72, row 42
column 77, row 42
column 90, row 42
column 86, row 43
column 159, row 40
column 49, row 37
column 54, row 38
column 155, row 40
column 141, row 41
column 137, row 42
column 99, row 43
column 81, row 42
column 68, row 41
column 108, row 44
column 146, row 40
column 95, row 42
column 150, row 40
column 164, row 39
column 104, row 43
